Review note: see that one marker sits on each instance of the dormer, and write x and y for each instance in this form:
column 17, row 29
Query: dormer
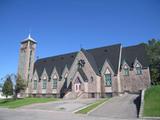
column 137, row 67
column 65, row 72
column 125, row 68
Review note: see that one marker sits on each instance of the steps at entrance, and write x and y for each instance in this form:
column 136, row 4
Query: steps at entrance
column 69, row 95
column 73, row 95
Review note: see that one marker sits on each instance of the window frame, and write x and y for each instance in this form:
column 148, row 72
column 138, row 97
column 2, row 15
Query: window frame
column 109, row 80
column 126, row 71
column 44, row 86
column 35, row 86
column 139, row 70
column 138, row 67
column 53, row 83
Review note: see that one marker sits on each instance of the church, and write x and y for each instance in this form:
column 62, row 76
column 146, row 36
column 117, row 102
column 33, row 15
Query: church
column 109, row 70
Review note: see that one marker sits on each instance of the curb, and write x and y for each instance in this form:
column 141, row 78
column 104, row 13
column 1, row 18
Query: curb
column 97, row 107
column 142, row 104
column 88, row 106
column 150, row 118
column 81, row 108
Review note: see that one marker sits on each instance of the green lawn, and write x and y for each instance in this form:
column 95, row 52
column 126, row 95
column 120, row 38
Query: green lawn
column 152, row 101
column 11, row 103
column 91, row 106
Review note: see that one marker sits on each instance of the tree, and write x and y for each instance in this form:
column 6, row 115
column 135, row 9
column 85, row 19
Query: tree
column 7, row 88
column 153, row 51
column 20, row 85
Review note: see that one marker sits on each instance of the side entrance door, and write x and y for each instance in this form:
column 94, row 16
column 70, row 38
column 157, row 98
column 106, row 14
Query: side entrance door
column 77, row 87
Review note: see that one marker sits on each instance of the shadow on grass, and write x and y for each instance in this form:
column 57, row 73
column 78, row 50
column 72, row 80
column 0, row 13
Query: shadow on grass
column 4, row 101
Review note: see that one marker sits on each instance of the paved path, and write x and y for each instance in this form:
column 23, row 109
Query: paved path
column 118, row 107
column 30, row 114
column 65, row 105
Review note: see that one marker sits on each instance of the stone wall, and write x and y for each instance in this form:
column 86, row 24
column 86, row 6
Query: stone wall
column 39, row 92
column 134, row 82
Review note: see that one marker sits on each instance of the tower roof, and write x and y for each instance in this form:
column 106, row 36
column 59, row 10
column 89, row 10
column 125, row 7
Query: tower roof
column 29, row 38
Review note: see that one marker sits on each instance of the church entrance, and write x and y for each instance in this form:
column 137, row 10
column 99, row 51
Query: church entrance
column 77, row 85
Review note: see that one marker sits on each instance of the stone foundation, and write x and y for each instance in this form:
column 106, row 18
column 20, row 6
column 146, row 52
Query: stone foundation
column 45, row 95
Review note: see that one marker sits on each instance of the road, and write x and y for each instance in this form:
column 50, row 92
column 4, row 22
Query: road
column 32, row 114
column 119, row 107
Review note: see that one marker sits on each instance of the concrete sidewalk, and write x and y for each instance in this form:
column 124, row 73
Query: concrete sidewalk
column 62, row 105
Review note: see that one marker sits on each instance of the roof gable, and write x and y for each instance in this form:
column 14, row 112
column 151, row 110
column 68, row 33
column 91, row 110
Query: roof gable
column 83, row 75
column 91, row 60
column 111, row 53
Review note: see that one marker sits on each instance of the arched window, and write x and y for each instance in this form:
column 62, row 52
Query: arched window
column 66, row 75
column 77, row 85
column 54, row 83
column 108, row 78
column 138, row 69
column 35, row 84
column 44, row 86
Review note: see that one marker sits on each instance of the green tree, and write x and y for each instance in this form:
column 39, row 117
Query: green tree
column 7, row 88
column 153, row 50
column 20, row 85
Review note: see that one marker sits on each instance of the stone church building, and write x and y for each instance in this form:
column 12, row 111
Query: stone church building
column 88, row 73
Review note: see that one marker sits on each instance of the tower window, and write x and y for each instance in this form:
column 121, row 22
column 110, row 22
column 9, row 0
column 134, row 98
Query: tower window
column 30, row 58
column 108, row 80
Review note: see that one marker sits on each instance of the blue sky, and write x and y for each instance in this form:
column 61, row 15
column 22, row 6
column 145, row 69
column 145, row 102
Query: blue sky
column 60, row 26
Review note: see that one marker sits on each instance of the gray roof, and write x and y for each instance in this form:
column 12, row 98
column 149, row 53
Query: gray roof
column 59, row 62
column 91, row 60
column 96, row 58
column 83, row 75
column 129, row 54
column 111, row 53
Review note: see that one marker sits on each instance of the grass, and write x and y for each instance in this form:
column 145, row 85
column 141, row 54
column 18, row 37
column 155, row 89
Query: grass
column 91, row 106
column 152, row 102
column 11, row 103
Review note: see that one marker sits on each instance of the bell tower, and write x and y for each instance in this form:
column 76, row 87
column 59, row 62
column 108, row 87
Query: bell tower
column 27, row 58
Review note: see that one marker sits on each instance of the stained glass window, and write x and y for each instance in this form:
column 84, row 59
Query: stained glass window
column 108, row 79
